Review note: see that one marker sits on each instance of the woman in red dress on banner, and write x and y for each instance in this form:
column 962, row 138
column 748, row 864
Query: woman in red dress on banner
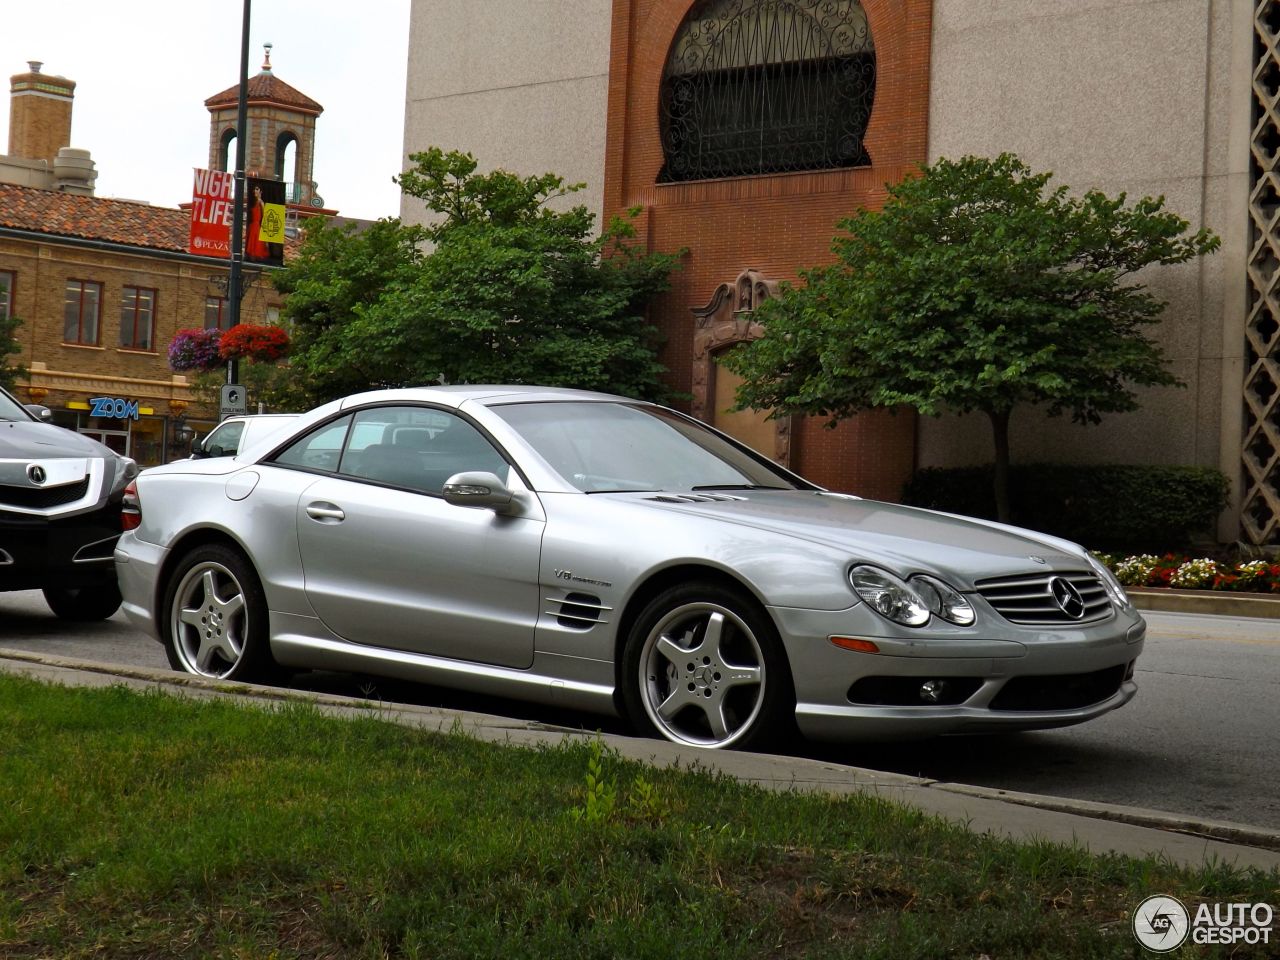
column 254, row 247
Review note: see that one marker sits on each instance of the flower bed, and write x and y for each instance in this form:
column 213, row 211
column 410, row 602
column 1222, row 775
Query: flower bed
column 1181, row 572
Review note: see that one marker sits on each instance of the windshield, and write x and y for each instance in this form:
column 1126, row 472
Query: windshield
column 603, row 447
column 11, row 409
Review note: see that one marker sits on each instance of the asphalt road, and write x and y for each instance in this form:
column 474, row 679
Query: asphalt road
column 1201, row 738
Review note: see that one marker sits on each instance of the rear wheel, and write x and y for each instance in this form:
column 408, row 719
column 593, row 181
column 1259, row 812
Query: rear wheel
column 703, row 666
column 215, row 617
column 95, row 602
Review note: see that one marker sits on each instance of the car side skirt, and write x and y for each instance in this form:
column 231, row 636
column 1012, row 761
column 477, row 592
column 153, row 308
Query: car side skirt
column 302, row 650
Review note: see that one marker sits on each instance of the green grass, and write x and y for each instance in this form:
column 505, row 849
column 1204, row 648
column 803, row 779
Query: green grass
column 137, row 825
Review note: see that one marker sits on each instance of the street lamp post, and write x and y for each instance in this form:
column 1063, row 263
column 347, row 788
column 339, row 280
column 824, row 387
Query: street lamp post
column 237, row 221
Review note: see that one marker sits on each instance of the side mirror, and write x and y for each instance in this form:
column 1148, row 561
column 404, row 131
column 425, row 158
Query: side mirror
column 39, row 411
column 476, row 488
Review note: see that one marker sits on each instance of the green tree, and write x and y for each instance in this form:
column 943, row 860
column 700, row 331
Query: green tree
column 498, row 288
column 977, row 288
column 9, row 344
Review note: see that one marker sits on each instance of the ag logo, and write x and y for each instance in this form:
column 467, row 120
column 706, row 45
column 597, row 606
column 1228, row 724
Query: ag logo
column 1161, row 923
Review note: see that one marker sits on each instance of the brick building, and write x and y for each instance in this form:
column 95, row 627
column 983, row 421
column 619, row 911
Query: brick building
column 101, row 285
column 652, row 102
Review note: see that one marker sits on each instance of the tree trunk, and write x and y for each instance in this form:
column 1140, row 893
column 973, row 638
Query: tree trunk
column 1000, row 433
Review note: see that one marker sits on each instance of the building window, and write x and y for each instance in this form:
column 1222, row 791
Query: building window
column 6, row 294
column 80, row 312
column 137, row 318
column 217, row 315
column 767, row 86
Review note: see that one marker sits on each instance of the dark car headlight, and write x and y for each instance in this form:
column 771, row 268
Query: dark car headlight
column 910, row 602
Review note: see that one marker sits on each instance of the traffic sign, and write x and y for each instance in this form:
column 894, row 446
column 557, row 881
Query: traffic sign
column 233, row 400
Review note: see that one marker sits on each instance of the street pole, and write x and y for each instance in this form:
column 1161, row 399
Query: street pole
column 237, row 221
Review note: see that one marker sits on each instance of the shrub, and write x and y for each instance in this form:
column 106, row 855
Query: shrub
column 1124, row 507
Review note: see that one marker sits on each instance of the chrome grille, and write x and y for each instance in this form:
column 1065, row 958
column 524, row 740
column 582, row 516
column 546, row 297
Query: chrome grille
column 1030, row 599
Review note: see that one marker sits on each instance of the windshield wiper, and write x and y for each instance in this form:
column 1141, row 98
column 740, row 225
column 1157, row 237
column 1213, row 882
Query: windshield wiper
column 737, row 486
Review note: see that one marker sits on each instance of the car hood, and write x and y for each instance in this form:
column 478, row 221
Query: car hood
column 906, row 540
column 21, row 440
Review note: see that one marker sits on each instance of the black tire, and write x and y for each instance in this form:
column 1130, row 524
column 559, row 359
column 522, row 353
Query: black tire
column 214, row 617
column 96, row 602
column 703, row 666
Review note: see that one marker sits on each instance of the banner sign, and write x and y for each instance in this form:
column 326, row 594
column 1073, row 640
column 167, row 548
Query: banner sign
column 211, row 209
column 264, row 225
column 212, row 206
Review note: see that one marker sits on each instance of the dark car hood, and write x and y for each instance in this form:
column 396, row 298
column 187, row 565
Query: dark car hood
column 43, row 441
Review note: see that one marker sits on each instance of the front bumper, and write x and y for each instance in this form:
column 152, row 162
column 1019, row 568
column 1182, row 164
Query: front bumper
column 65, row 551
column 997, row 676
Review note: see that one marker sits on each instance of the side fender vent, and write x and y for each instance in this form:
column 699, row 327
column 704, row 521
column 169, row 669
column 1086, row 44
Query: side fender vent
column 578, row 611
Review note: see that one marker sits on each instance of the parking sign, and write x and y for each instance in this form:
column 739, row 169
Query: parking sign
column 232, row 400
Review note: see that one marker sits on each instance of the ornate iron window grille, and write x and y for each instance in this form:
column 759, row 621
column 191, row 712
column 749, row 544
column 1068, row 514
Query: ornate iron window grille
column 1260, row 445
column 767, row 86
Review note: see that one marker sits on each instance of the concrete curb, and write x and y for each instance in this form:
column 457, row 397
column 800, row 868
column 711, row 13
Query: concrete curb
column 983, row 809
column 1219, row 604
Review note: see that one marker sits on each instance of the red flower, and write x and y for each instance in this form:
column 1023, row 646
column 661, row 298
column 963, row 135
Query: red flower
column 263, row 344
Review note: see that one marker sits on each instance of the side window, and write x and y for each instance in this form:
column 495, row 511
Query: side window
column 416, row 448
column 225, row 440
column 321, row 449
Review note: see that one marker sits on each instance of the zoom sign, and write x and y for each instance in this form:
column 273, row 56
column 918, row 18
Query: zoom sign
column 113, row 408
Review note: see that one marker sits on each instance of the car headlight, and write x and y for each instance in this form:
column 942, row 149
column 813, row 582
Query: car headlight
column 944, row 600
column 1109, row 581
column 889, row 596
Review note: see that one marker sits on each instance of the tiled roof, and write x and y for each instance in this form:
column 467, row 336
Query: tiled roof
column 266, row 87
column 94, row 218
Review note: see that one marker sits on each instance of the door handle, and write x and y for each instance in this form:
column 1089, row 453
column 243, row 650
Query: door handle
column 325, row 512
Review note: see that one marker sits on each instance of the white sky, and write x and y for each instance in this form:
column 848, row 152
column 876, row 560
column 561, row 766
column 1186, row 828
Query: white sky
column 143, row 69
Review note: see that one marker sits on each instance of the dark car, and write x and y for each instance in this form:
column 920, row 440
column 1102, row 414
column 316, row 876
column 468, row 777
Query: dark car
column 60, row 504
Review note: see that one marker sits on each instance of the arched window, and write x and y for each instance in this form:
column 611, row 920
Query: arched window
column 767, row 86
column 287, row 163
column 227, row 151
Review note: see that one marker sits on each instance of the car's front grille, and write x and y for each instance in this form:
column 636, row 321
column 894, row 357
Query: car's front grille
column 42, row 498
column 1064, row 692
column 1032, row 600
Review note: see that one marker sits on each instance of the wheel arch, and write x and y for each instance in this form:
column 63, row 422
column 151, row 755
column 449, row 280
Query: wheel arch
column 200, row 537
column 661, row 580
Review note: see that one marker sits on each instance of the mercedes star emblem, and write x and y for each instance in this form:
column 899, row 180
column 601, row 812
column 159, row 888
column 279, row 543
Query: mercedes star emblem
column 1067, row 597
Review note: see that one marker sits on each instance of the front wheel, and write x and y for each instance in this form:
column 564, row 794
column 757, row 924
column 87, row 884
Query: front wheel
column 704, row 666
column 83, row 604
column 214, row 620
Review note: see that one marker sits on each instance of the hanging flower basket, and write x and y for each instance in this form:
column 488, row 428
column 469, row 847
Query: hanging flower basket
column 259, row 343
column 195, row 350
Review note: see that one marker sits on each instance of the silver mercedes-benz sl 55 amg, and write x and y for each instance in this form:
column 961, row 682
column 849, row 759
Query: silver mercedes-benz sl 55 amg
column 606, row 554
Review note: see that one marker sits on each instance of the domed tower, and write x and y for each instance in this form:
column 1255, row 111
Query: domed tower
column 281, row 135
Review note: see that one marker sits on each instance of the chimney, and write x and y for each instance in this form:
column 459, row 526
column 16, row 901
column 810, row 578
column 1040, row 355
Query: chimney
column 39, row 114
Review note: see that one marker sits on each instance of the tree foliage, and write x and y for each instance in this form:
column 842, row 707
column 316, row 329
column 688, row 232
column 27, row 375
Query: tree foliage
column 977, row 288
column 498, row 288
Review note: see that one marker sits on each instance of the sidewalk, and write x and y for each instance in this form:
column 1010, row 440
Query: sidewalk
column 1100, row 827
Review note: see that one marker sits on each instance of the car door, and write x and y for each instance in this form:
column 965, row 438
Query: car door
column 388, row 563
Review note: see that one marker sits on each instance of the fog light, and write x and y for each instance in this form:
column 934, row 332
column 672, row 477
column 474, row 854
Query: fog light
column 932, row 691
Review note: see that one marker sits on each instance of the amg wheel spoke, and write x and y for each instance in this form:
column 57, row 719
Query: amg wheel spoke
column 680, row 698
column 714, row 709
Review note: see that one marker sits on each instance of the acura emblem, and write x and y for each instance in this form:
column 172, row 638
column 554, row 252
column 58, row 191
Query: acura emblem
column 1067, row 597
column 36, row 474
